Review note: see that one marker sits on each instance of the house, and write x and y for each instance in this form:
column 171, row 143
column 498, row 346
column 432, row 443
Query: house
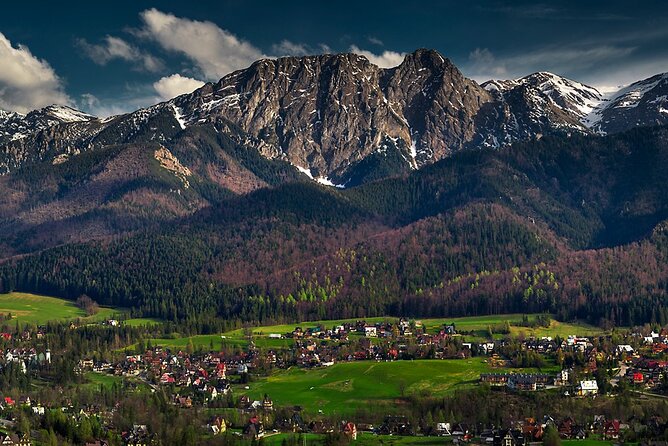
column 532, row 430
column 15, row 440
column 624, row 349
column 611, row 429
column 370, row 331
column 587, row 387
column 350, row 430
column 217, row 426
column 267, row 403
column 494, row 379
column 509, row 437
column 443, row 429
column 565, row 428
column 522, row 382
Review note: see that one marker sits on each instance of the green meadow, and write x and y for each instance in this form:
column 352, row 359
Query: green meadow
column 345, row 387
column 363, row 439
column 35, row 309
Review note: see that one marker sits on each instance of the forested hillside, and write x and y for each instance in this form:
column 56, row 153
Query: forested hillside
column 571, row 225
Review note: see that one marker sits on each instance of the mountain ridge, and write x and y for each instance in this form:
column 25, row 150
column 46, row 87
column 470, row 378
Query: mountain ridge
column 338, row 117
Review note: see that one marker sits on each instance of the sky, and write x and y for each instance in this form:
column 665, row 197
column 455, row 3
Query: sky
column 116, row 56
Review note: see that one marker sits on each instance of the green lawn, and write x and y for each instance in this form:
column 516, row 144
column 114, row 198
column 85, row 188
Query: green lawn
column 35, row 309
column 344, row 387
column 140, row 321
column 363, row 439
column 96, row 379
column 587, row 442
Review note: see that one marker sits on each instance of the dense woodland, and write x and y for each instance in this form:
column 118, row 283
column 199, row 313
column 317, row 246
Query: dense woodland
column 568, row 225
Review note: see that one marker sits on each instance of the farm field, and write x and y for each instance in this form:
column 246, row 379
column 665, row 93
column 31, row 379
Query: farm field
column 345, row 387
column 35, row 309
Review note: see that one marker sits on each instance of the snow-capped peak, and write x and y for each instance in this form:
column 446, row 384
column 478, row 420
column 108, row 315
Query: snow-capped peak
column 569, row 95
column 64, row 113
column 629, row 97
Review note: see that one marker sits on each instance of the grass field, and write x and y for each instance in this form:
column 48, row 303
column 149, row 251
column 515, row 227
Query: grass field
column 363, row 439
column 35, row 309
column 138, row 322
column 97, row 379
column 344, row 387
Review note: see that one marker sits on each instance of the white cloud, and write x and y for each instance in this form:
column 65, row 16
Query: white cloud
column 387, row 59
column 287, row 48
column 117, row 48
column 132, row 99
column 175, row 85
column 481, row 60
column 215, row 51
column 375, row 41
column 26, row 82
column 572, row 60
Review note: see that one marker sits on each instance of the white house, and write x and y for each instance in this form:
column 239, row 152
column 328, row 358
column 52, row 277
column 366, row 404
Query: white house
column 587, row 387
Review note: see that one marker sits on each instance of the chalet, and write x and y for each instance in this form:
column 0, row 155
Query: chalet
column 624, row 349
column 370, row 331
column 443, row 429
column 217, row 426
column 349, row 430
column 462, row 431
column 396, row 424
column 522, row 382
column 267, row 403
column 611, row 430
column 509, row 437
column 298, row 333
column 565, row 428
column 494, row 379
column 587, row 388
column 15, row 440
column 532, row 430
column 321, row 427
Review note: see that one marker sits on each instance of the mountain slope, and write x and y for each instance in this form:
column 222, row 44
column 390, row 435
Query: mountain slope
column 643, row 103
column 572, row 225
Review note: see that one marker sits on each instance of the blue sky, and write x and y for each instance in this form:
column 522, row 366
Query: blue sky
column 112, row 57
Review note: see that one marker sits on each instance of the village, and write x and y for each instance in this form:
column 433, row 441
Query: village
column 578, row 367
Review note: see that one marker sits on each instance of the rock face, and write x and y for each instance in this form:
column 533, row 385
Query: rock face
column 334, row 115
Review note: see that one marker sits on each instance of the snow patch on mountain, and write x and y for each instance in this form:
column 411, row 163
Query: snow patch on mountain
column 321, row 180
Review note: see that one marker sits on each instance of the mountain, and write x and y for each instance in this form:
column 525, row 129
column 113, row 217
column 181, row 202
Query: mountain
column 643, row 103
column 341, row 120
